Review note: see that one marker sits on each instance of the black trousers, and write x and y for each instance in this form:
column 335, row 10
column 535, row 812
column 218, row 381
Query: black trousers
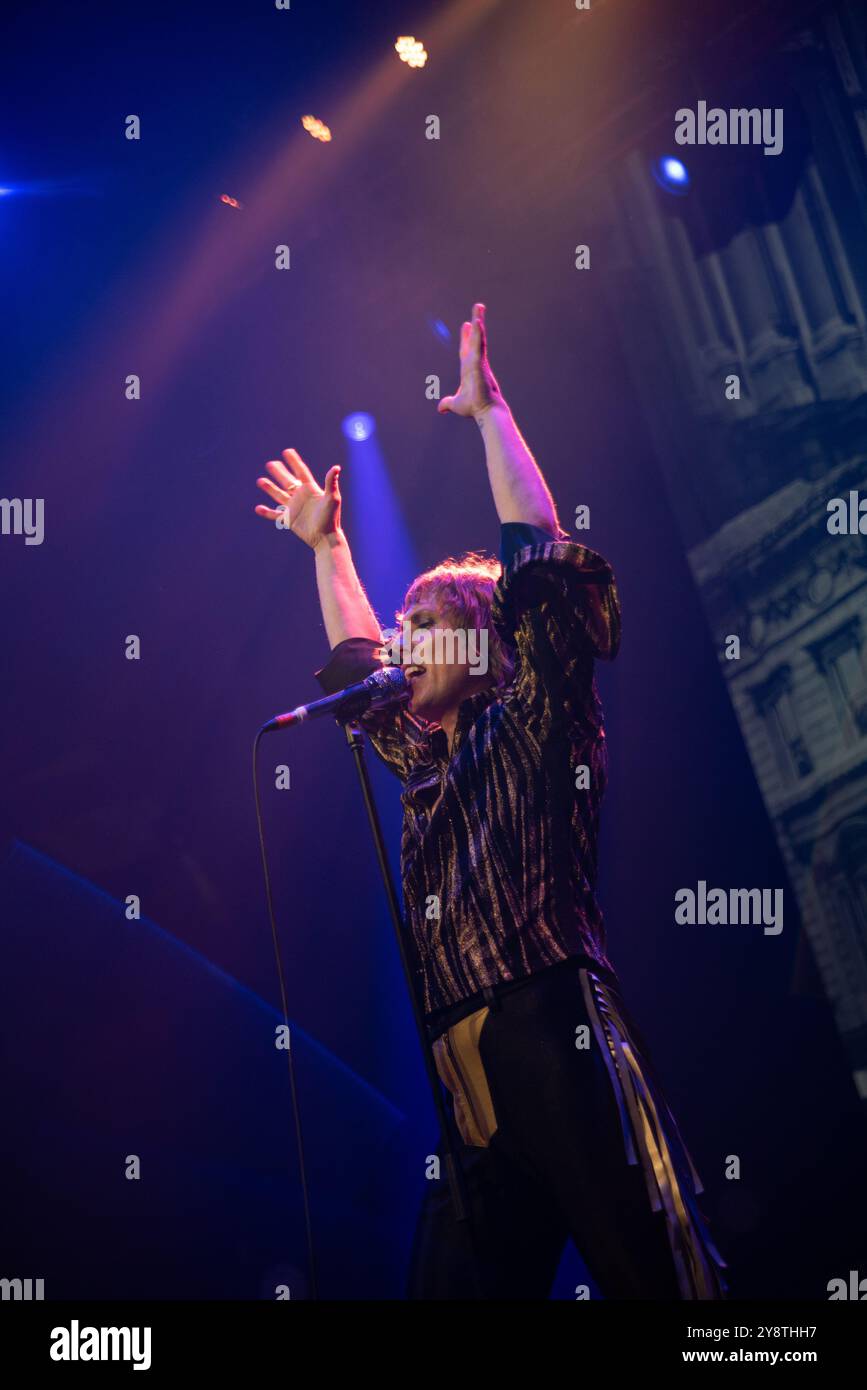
column 584, row 1146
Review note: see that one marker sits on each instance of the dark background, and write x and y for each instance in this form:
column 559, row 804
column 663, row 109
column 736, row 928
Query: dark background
column 118, row 257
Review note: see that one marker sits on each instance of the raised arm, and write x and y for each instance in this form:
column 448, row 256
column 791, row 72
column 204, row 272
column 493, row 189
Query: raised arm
column 556, row 602
column 345, row 607
column 312, row 513
column 520, row 492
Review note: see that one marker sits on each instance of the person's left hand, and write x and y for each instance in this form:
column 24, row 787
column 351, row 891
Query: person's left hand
column 478, row 390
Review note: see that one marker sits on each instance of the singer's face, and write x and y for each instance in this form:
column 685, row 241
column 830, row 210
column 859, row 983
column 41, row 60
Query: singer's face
column 441, row 660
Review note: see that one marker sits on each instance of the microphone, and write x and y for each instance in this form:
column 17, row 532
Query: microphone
column 382, row 688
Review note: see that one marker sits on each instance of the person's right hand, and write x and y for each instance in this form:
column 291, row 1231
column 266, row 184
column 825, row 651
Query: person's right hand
column 308, row 510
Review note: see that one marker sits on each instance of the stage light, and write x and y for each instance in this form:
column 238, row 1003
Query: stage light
column 359, row 427
column 676, row 171
column 232, row 202
column 671, row 174
column 316, row 128
column 411, row 51
column 440, row 329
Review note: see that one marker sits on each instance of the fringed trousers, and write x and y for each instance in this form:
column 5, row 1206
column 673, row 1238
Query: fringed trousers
column 561, row 1129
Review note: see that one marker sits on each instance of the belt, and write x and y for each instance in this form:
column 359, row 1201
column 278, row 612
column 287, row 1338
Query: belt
column 443, row 1019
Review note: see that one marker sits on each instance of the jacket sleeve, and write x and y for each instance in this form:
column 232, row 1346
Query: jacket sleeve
column 557, row 606
column 392, row 731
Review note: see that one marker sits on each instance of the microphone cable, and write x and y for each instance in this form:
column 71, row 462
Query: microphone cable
column 311, row 1258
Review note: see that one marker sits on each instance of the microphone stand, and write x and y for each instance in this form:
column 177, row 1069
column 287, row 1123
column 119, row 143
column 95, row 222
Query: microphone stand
column 454, row 1172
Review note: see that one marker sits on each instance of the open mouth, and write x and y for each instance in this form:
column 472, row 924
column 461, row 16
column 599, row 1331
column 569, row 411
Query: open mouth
column 414, row 674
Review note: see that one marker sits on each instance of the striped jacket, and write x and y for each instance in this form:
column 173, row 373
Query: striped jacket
column 502, row 833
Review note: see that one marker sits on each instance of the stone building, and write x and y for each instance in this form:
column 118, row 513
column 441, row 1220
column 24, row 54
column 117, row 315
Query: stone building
column 745, row 301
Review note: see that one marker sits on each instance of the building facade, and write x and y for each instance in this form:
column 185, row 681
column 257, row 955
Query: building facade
column 744, row 308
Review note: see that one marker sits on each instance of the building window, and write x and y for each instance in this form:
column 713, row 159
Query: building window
column 774, row 702
column 840, row 658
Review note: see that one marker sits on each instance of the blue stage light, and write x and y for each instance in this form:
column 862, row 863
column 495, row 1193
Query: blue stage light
column 441, row 329
column 675, row 170
column 359, row 427
column 671, row 174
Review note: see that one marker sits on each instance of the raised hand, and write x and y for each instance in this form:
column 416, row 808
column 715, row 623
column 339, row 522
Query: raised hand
column 307, row 510
column 478, row 389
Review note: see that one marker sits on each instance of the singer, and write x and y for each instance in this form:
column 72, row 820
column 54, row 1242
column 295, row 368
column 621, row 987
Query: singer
column 562, row 1126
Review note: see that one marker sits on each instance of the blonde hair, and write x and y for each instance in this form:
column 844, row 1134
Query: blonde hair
column 464, row 588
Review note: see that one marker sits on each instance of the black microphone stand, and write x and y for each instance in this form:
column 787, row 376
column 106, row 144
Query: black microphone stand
column 454, row 1172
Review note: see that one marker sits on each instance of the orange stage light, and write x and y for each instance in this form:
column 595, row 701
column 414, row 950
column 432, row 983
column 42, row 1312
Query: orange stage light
column 316, row 128
column 411, row 51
